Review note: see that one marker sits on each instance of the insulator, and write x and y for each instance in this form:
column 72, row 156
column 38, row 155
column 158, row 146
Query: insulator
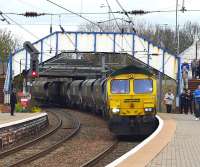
column 135, row 12
column 33, row 14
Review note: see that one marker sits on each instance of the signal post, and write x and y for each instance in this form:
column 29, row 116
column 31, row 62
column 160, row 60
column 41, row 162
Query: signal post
column 33, row 72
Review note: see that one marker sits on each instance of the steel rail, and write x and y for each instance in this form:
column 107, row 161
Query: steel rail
column 52, row 147
column 100, row 156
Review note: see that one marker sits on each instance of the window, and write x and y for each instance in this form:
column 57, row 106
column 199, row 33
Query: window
column 143, row 86
column 120, row 86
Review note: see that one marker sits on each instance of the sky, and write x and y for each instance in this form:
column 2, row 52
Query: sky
column 33, row 29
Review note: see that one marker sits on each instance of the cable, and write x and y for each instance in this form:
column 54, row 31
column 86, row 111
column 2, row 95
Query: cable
column 44, row 24
column 142, row 12
column 133, row 25
column 3, row 18
column 21, row 26
column 46, row 14
column 93, row 23
column 183, row 9
column 74, row 13
column 63, row 31
column 25, row 29
column 45, row 53
column 125, row 12
column 111, row 20
column 51, row 29
column 134, row 12
column 117, row 23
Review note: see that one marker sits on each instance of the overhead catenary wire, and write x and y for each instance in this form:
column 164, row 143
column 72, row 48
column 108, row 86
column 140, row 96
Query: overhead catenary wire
column 183, row 6
column 74, row 13
column 25, row 29
column 125, row 12
column 134, row 12
column 35, row 14
column 79, row 16
column 22, row 27
column 133, row 25
column 3, row 18
column 142, row 12
column 63, row 31
column 36, row 37
column 117, row 23
column 93, row 23
column 84, row 18
column 73, row 25
column 18, row 62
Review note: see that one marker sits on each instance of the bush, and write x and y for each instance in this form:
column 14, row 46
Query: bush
column 33, row 107
column 36, row 109
column 19, row 108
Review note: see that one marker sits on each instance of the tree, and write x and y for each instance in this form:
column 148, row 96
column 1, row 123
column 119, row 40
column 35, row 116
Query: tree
column 166, row 35
column 108, row 27
column 158, row 34
column 7, row 44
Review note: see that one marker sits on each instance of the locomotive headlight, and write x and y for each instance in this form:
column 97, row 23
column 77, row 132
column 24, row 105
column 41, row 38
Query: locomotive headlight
column 148, row 109
column 115, row 110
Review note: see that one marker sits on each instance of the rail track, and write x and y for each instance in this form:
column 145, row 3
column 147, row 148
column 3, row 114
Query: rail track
column 67, row 126
column 93, row 137
column 100, row 156
column 94, row 145
column 22, row 146
column 114, row 151
column 120, row 149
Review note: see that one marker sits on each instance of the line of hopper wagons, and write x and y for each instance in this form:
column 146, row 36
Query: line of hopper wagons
column 126, row 99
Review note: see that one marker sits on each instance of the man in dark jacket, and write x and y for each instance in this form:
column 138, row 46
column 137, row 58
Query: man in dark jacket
column 189, row 98
column 13, row 101
column 182, row 101
column 185, row 65
column 197, row 102
column 194, row 68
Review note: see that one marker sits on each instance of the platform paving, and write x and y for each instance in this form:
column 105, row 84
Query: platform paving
column 184, row 148
column 7, row 118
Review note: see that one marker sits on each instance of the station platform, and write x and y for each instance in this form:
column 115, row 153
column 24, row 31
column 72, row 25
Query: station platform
column 20, row 126
column 176, row 143
column 6, row 119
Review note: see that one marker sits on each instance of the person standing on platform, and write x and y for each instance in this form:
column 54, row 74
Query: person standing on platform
column 13, row 101
column 185, row 77
column 185, row 65
column 197, row 102
column 198, row 69
column 168, row 99
column 182, row 101
column 189, row 101
column 194, row 68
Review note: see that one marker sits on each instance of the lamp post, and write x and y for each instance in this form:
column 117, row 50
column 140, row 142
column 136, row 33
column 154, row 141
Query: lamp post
column 176, row 39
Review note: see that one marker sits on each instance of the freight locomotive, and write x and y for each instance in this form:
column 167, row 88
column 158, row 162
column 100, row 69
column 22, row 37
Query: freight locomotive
column 127, row 98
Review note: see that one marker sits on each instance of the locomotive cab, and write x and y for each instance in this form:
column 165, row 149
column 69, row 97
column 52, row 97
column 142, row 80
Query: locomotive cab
column 131, row 102
column 134, row 96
